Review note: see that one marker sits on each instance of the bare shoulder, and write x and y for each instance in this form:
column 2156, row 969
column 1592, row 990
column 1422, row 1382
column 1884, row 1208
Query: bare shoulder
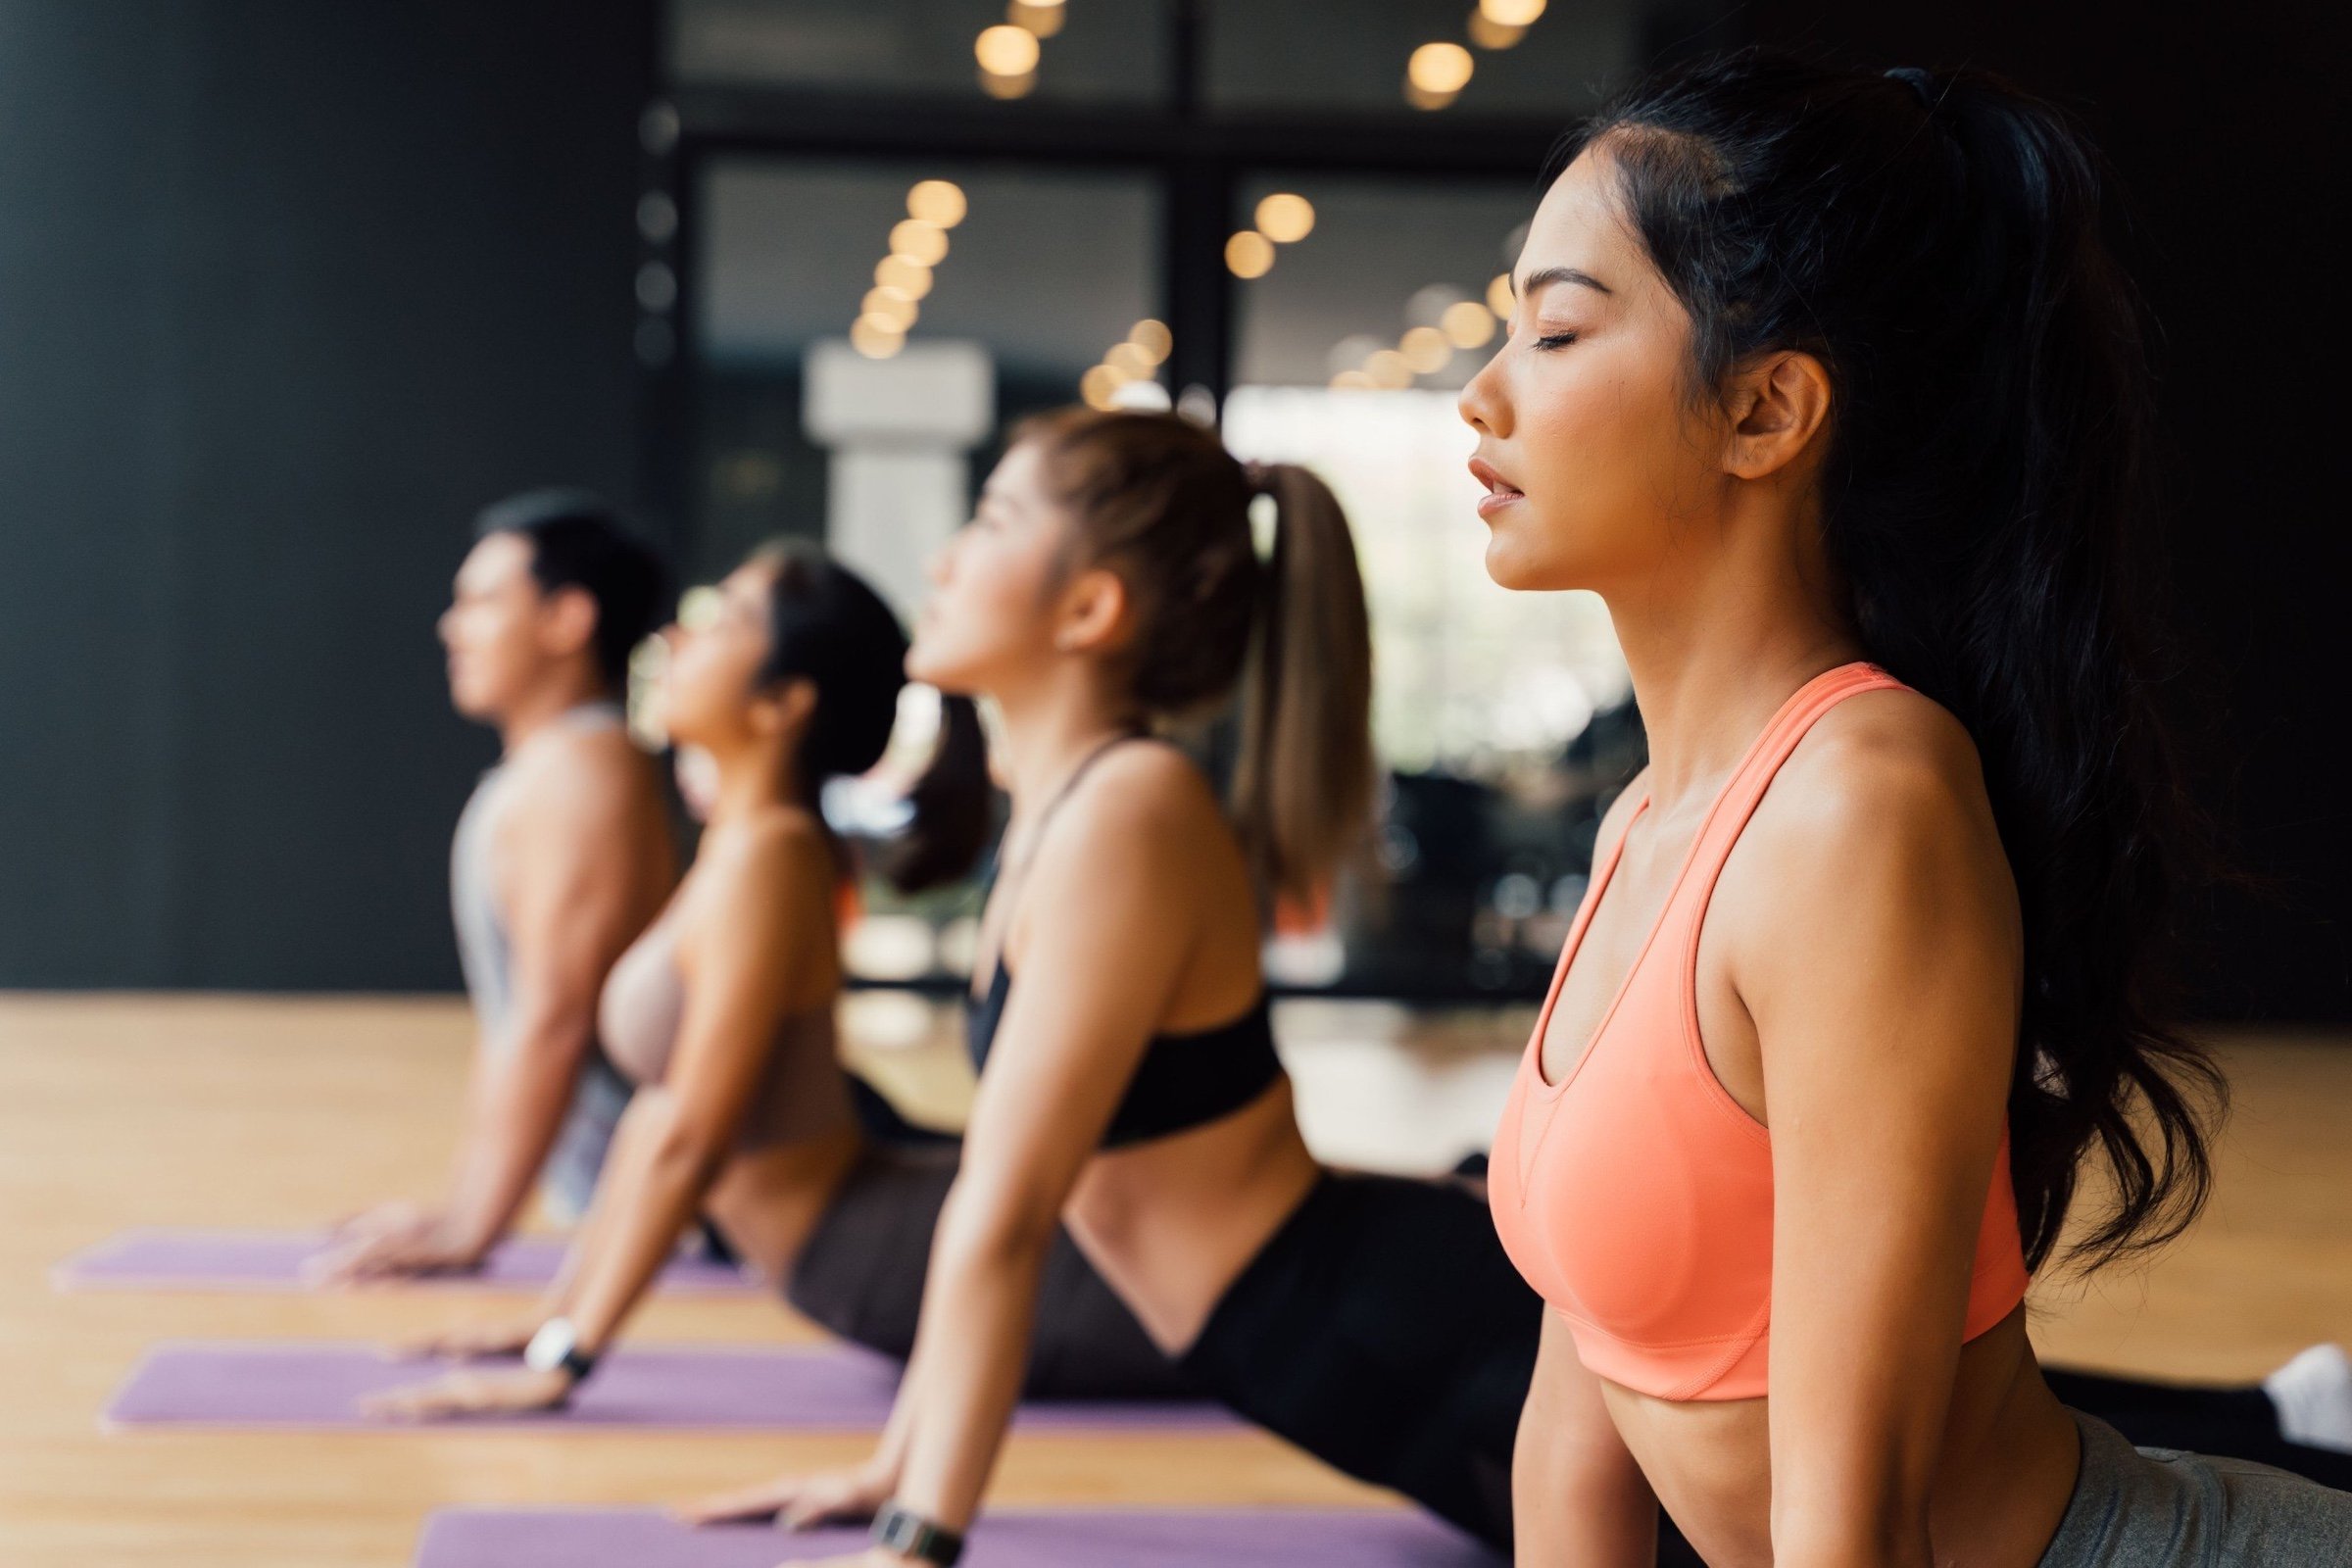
column 1882, row 768
column 575, row 773
column 764, row 860
column 1142, row 809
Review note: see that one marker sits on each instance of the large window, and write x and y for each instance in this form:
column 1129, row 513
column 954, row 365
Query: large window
column 1173, row 209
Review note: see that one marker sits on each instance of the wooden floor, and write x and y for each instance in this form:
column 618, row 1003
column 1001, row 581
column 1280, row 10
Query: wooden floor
column 115, row 1112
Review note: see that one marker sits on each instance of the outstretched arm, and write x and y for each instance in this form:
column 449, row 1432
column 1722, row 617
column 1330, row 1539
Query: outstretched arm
column 1885, row 1000
column 1577, row 1495
column 573, row 908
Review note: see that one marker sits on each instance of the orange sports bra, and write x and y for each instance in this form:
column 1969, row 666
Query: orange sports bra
column 1636, row 1193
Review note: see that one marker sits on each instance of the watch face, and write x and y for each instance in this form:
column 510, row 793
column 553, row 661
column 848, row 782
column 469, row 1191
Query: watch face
column 548, row 1346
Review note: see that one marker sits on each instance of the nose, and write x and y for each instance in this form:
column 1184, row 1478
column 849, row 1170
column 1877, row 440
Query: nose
column 445, row 627
column 1483, row 403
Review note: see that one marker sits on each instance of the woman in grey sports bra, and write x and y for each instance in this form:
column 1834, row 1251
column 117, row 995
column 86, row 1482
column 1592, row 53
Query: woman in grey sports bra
column 721, row 1017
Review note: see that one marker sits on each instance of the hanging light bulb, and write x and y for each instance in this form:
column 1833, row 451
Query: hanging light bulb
column 1284, row 217
column 1467, row 324
column 1006, row 50
column 1250, row 253
column 1441, row 69
column 924, row 244
column 911, row 278
column 1426, row 349
column 940, row 202
column 1154, row 338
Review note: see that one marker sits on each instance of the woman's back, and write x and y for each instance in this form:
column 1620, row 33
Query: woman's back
column 1168, row 1220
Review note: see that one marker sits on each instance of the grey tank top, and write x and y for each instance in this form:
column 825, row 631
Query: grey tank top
column 801, row 1093
column 482, row 946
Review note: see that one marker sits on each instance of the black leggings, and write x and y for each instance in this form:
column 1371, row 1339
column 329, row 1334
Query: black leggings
column 1384, row 1331
column 860, row 1276
column 2236, row 1423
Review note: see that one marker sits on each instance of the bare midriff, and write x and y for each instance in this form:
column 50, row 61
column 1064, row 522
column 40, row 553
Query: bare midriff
column 1171, row 1223
column 2003, row 1480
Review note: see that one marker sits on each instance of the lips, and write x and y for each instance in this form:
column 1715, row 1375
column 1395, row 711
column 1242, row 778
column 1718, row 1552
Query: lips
column 1501, row 492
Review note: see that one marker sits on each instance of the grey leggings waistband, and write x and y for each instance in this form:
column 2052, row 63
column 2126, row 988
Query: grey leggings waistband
column 2161, row 1508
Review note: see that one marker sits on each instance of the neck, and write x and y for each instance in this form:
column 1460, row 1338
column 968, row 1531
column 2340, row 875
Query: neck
column 1718, row 635
column 550, row 701
column 751, row 777
column 1051, row 726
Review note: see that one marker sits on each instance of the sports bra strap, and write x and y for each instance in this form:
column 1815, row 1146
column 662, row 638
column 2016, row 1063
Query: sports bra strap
column 1727, row 819
column 1037, row 833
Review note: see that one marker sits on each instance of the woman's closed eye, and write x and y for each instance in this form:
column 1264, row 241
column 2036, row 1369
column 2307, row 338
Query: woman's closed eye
column 1555, row 340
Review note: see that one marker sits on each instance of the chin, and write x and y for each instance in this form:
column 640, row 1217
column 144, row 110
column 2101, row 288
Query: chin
column 924, row 664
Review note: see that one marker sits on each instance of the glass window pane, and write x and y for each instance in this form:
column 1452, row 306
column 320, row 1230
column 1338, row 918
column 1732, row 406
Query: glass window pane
column 1045, row 273
column 1089, row 51
column 797, row 433
column 1267, row 57
column 1504, row 718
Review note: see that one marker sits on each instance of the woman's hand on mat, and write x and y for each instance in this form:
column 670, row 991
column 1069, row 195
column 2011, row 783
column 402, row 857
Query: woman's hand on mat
column 419, row 1244
column 801, row 1503
column 467, row 1342
column 503, row 1392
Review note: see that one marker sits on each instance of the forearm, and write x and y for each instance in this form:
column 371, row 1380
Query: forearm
column 1845, row 1543
column 651, row 1188
column 1568, row 1508
column 521, row 1098
column 970, row 1356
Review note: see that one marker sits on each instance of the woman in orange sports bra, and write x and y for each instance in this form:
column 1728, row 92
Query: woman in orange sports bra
column 1824, row 381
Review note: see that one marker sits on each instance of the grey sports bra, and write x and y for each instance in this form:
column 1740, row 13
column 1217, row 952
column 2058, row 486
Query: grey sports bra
column 803, row 1092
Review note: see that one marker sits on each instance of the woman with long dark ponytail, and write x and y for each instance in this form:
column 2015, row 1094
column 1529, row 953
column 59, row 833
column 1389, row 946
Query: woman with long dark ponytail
column 1826, row 381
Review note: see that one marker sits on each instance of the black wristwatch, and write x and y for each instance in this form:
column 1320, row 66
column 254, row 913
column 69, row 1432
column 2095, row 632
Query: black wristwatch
column 913, row 1537
column 556, row 1347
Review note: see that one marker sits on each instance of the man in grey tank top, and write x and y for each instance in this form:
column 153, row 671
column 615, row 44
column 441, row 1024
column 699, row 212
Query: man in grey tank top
column 562, row 856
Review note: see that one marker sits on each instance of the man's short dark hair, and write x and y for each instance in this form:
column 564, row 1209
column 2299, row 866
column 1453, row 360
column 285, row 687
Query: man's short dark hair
column 580, row 540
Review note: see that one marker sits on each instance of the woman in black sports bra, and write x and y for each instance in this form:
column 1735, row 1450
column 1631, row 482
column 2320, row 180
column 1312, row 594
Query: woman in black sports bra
column 1109, row 584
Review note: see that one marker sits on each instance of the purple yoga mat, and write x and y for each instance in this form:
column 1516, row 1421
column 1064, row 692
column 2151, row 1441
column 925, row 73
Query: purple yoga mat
column 780, row 1388
column 1091, row 1538
column 274, row 1260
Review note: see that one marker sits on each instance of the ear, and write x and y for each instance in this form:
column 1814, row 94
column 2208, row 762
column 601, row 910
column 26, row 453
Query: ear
column 567, row 621
column 1093, row 614
column 785, row 708
column 1779, row 405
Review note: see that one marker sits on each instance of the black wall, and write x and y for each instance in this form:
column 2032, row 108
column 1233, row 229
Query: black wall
column 2230, row 132
column 287, row 291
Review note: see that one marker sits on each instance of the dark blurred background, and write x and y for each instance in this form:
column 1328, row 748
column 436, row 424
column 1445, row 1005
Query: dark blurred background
column 289, row 290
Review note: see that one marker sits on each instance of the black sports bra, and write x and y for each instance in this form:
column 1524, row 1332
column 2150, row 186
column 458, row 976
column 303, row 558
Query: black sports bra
column 1184, row 1080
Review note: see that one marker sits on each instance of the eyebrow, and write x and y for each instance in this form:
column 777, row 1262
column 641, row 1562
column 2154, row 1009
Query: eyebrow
column 1557, row 274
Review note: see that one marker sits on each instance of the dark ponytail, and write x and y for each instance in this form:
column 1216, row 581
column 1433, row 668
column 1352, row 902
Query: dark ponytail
column 1936, row 240
column 827, row 626
column 1303, row 785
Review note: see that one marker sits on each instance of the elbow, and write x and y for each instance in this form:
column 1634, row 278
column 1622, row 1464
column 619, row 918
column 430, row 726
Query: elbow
column 995, row 1231
column 1831, row 1531
column 680, row 1148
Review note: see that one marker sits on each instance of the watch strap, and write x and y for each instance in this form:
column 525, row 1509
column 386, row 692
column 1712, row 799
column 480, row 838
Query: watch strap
column 902, row 1529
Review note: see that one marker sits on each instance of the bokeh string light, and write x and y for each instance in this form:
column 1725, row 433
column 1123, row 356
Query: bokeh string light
column 1443, row 323
column 1437, row 72
column 904, row 279
column 1008, row 53
column 1282, row 219
column 1132, row 364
